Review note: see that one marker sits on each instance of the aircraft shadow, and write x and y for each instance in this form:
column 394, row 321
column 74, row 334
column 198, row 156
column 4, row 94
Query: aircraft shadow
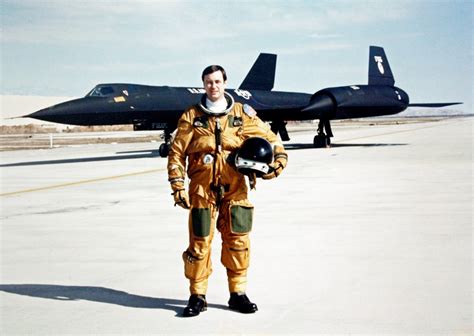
column 335, row 145
column 138, row 155
column 100, row 294
column 141, row 154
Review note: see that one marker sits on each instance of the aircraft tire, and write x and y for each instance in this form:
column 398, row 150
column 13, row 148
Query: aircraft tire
column 321, row 141
column 164, row 150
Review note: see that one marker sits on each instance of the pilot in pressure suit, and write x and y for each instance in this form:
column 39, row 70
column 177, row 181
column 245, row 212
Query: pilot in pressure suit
column 208, row 136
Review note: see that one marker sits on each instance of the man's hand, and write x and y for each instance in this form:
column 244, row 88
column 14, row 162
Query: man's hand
column 275, row 169
column 179, row 193
column 278, row 164
column 181, row 198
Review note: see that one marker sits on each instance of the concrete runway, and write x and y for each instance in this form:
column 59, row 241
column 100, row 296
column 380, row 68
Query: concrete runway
column 372, row 236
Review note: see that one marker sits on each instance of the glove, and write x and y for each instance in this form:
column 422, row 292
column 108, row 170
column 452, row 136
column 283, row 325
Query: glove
column 180, row 195
column 280, row 160
column 181, row 199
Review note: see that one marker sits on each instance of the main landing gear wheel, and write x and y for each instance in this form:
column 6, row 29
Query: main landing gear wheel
column 323, row 140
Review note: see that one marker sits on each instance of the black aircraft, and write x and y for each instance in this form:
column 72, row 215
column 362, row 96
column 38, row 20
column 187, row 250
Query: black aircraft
column 159, row 107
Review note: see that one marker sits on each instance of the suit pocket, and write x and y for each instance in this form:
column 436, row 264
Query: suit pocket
column 241, row 218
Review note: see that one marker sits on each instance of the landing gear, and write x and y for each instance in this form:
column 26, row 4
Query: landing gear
column 323, row 140
column 164, row 150
column 279, row 126
column 165, row 147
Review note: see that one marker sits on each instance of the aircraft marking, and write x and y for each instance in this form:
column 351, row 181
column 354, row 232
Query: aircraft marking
column 379, row 61
column 196, row 91
column 243, row 93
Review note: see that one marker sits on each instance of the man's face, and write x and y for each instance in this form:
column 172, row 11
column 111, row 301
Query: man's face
column 214, row 85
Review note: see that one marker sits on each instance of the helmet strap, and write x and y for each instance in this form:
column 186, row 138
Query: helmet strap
column 253, row 181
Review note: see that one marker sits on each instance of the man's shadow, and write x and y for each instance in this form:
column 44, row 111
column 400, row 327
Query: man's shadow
column 99, row 294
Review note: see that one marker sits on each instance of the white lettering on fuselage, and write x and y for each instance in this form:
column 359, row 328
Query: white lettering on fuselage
column 196, row 91
column 379, row 61
column 243, row 93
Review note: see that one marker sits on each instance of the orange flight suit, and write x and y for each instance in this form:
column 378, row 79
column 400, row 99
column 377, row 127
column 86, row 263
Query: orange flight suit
column 217, row 191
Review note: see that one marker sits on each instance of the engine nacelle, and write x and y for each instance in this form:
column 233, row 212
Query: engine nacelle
column 357, row 101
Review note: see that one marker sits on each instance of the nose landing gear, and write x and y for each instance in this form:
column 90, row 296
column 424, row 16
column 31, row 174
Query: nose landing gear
column 165, row 147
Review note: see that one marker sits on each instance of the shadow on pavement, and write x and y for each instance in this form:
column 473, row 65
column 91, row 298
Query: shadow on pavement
column 335, row 145
column 99, row 294
column 155, row 153
column 138, row 155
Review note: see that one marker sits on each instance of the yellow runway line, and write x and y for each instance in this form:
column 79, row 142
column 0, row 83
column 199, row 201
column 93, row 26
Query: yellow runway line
column 393, row 132
column 81, row 182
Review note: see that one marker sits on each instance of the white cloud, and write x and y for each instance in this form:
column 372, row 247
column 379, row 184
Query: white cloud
column 171, row 24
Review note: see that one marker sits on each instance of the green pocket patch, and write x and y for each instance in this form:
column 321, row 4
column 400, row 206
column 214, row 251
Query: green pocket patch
column 201, row 219
column 241, row 218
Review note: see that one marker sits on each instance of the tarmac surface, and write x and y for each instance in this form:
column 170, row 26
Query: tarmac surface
column 372, row 236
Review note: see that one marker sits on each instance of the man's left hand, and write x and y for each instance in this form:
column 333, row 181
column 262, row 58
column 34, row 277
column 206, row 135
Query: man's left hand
column 276, row 168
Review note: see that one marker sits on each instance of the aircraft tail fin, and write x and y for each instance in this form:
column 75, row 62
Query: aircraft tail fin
column 262, row 74
column 379, row 69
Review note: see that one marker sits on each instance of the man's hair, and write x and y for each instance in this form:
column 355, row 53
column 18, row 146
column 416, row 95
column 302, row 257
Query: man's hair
column 213, row 68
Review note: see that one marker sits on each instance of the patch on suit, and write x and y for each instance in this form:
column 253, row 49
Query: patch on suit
column 201, row 122
column 249, row 110
column 235, row 121
column 241, row 218
column 208, row 159
column 201, row 221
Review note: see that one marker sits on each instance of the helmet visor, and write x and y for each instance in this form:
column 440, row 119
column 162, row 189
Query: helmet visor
column 241, row 163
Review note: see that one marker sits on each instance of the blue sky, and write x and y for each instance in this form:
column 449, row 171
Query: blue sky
column 64, row 48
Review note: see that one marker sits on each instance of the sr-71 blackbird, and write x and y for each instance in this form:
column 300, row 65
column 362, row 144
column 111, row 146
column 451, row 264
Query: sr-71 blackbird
column 159, row 107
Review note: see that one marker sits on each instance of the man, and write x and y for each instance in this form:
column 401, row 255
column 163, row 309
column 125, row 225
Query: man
column 208, row 136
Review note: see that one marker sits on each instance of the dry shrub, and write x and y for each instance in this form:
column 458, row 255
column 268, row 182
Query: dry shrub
column 41, row 129
column 27, row 129
column 111, row 128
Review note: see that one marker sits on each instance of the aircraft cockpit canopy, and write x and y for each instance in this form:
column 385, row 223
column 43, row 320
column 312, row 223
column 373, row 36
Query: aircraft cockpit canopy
column 101, row 91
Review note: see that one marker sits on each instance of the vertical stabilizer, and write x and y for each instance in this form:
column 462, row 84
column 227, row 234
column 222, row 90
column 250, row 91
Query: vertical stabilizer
column 379, row 69
column 262, row 74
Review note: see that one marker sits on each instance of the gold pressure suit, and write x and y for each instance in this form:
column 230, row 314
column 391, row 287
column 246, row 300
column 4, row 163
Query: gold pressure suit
column 217, row 191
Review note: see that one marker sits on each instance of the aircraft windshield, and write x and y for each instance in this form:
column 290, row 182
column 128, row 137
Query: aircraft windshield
column 101, row 91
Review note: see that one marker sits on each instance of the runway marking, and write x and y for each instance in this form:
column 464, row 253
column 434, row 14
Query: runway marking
column 62, row 185
column 158, row 170
column 394, row 132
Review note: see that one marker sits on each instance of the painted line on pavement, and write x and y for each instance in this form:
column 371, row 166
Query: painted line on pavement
column 390, row 133
column 62, row 185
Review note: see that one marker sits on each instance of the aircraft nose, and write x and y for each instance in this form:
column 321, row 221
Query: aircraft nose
column 65, row 113
column 43, row 114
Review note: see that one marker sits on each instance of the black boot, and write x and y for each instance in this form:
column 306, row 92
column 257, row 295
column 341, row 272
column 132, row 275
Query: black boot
column 197, row 303
column 241, row 303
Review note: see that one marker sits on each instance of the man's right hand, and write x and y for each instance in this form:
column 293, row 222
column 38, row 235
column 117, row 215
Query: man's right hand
column 181, row 198
column 179, row 193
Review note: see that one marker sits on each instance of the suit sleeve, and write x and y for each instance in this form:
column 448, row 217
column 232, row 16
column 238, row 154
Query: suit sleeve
column 255, row 127
column 177, row 154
